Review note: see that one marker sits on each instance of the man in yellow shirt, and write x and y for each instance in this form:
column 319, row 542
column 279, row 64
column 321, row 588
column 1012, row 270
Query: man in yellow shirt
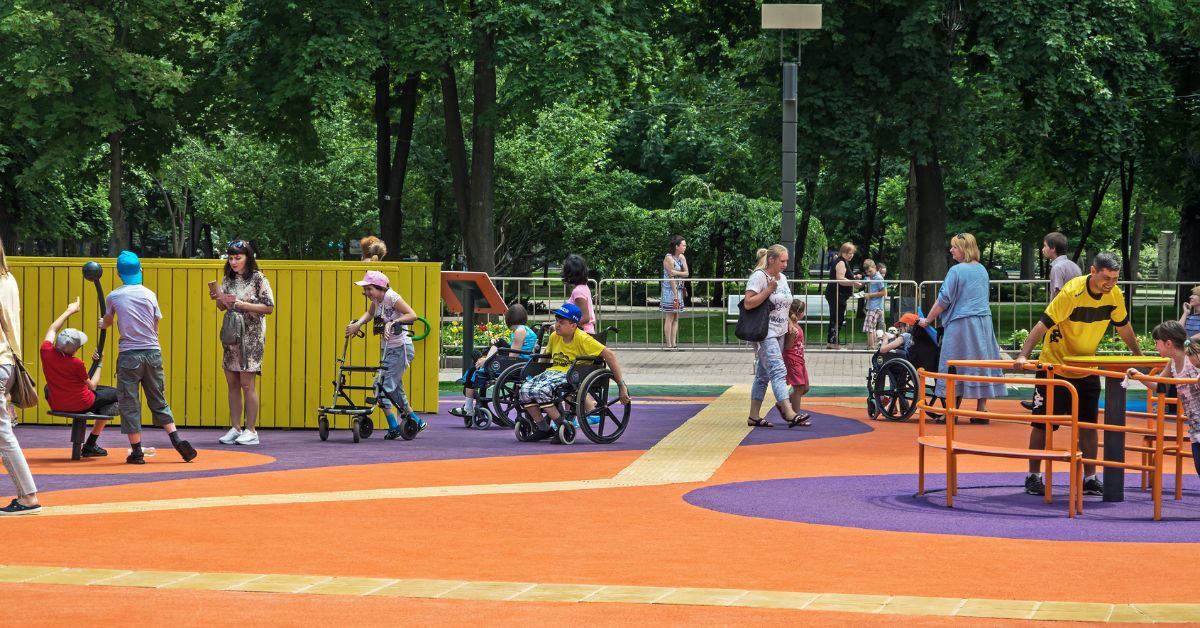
column 1077, row 320
column 567, row 343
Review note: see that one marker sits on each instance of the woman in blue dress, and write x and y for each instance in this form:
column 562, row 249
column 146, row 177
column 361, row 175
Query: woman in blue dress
column 672, row 302
column 962, row 304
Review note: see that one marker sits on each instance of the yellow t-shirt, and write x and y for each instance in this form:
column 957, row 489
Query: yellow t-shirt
column 1077, row 320
column 564, row 353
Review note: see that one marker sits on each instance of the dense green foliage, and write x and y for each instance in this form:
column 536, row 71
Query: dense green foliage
column 518, row 132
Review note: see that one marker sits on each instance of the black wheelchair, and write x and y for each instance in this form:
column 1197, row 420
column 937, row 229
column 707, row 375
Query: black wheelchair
column 488, row 389
column 506, row 391
column 892, row 379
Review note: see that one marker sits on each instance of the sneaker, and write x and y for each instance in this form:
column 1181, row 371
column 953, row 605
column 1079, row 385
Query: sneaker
column 421, row 424
column 17, row 508
column 1034, row 485
column 459, row 412
column 231, row 436
column 1028, row 405
column 1093, row 487
column 92, row 451
column 136, row 457
column 186, row 450
column 248, row 437
column 392, row 434
column 593, row 419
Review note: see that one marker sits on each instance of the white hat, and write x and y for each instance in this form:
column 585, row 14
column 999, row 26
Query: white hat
column 69, row 340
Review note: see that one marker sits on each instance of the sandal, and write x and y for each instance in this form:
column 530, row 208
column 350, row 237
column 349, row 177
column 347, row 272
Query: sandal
column 800, row 420
column 752, row 422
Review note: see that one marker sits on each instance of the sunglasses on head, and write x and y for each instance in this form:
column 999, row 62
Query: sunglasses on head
column 238, row 246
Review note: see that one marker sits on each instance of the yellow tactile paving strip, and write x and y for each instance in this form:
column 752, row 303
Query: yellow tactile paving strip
column 597, row 593
column 691, row 453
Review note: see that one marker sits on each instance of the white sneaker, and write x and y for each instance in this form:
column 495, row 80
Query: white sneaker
column 230, row 436
column 248, row 437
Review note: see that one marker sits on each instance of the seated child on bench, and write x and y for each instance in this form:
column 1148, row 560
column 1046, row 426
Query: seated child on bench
column 902, row 340
column 566, row 343
column 521, row 337
column 68, row 387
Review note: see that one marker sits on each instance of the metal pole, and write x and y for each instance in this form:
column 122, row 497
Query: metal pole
column 788, row 219
column 468, row 341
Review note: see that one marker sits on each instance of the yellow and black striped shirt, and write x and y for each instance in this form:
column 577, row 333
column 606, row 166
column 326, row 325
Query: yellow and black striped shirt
column 1077, row 320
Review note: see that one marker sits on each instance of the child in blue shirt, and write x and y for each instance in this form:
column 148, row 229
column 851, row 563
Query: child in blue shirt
column 521, row 337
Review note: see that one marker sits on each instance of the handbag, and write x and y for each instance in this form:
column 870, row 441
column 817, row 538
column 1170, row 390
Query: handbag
column 753, row 323
column 22, row 389
column 233, row 328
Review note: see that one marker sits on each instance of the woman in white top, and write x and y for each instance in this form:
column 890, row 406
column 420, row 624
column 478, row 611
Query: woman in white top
column 768, row 284
column 26, row 502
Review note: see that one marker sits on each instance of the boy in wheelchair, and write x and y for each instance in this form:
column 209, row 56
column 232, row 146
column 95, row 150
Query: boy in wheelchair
column 898, row 339
column 567, row 343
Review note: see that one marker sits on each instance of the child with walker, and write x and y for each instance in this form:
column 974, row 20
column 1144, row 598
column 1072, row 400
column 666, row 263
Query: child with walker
column 793, row 360
column 397, row 347
column 1183, row 362
column 520, row 337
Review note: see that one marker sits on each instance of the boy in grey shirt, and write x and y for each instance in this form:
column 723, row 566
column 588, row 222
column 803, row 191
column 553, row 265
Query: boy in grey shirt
column 139, row 359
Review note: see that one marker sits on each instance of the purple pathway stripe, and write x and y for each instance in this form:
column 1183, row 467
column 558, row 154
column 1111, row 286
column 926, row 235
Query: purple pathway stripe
column 445, row 439
column 987, row 504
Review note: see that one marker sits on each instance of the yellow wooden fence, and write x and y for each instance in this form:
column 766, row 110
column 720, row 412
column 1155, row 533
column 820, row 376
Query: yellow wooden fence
column 313, row 303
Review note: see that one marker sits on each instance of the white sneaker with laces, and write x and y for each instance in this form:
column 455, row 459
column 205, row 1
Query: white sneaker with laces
column 230, row 436
column 248, row 437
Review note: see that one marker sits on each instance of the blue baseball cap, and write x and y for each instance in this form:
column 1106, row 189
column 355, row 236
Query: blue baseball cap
column 129, row 267
column 569, row 311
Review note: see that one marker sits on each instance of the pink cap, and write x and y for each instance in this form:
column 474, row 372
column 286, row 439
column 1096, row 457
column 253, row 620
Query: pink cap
column 374, row 277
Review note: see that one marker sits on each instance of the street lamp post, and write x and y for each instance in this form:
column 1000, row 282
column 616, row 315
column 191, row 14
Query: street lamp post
column 790, row 17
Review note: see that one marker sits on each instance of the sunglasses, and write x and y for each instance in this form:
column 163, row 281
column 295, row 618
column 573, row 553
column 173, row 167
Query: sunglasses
column 238, row 247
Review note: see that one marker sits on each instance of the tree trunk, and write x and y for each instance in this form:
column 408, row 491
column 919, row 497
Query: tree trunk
column 1139, row 225
column 1128, row 270
column 810, row 193
column 383, row 138
column 929, row 226
column 480, row 236
column 120, row 240
column 392, row 217
column 1098, row 194
column 456, row 147
column 1028, row 259
column 8, row 220
column 871, row 197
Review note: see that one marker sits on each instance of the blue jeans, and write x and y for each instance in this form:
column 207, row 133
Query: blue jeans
column 770, row 369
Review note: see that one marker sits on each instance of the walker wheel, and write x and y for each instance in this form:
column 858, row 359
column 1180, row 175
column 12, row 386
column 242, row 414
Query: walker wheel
column 366, row 427
column 566, row 433
column 409, row 428
column 354, row 429
column 483, row 418
column 323, row 427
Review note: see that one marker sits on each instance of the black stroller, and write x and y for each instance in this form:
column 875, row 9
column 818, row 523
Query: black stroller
column 892, row 378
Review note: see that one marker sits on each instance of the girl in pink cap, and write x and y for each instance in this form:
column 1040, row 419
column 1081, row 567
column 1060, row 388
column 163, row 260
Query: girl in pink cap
column 398, row 350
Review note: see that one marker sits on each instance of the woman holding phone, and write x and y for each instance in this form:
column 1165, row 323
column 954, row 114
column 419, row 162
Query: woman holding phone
column 245, row 292
column 1191, row 315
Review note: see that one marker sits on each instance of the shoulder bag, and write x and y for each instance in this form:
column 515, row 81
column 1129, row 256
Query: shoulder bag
column 23, row 389
column 753, row 324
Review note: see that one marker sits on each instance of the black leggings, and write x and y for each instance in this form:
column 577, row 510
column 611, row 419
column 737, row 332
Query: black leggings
column 105, row 396
column 837, row 314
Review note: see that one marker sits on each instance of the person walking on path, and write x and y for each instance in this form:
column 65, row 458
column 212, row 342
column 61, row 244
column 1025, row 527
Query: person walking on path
column 244, row 292
column 767, row 284
column 838, row 291
column 962, row 304
column 672, row 304
column 26, row 501
column 1077, row 320
column 135, row 310
column 875, row 294
column 1062, row 270
column 575, row 275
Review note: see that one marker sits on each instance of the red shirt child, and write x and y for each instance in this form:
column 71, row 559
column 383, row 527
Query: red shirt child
column 68, row 380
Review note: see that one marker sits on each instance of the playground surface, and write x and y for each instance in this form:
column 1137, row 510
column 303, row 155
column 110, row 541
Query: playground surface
column 691, row 518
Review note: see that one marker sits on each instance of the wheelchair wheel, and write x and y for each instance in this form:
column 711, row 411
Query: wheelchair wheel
column 354, row 429
column 896, row 390
column 524, row 429
column 409, row 428
column 506, row 396
column 602, row 417
column 366, row 427
column 566, row 433
column 323, row 427
column 483, row 419
column 872, row 403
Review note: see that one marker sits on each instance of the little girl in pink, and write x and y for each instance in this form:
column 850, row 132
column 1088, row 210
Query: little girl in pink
column 793, row 359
